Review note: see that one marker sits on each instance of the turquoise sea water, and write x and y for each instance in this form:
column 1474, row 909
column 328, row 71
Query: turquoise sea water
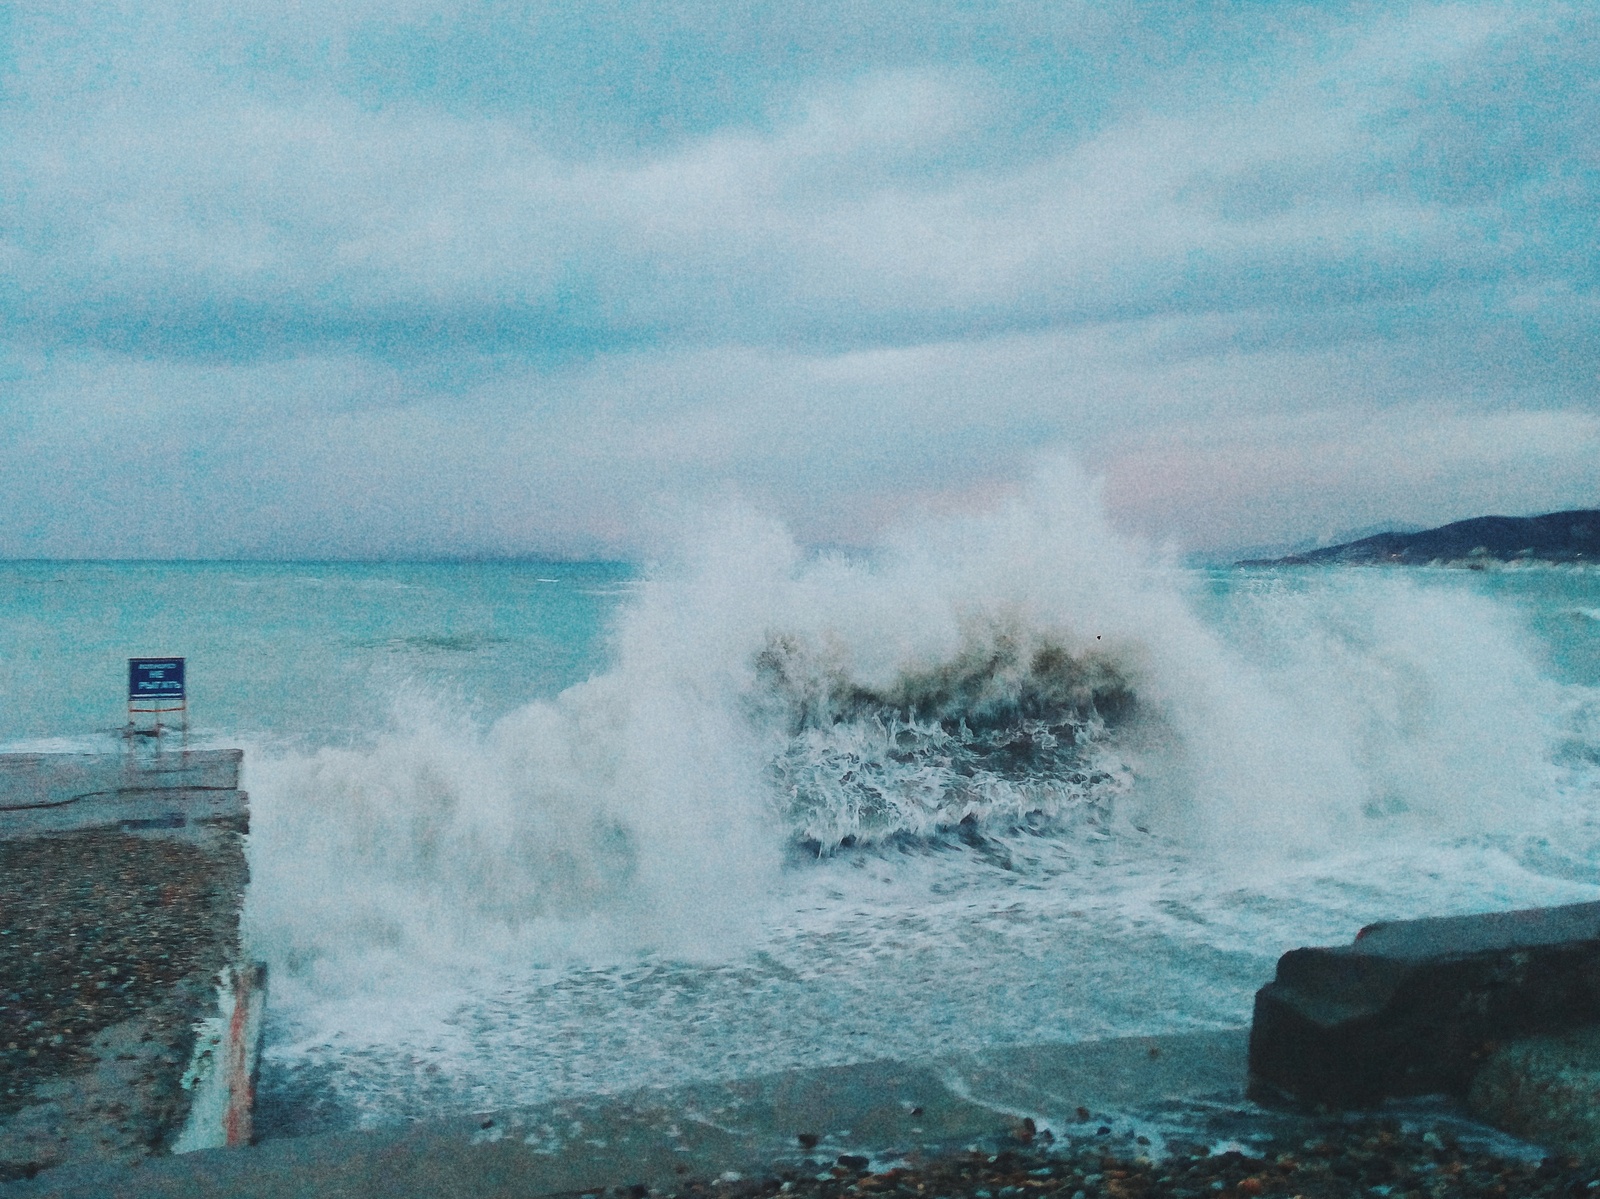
column 529, row 829
column 298, row 653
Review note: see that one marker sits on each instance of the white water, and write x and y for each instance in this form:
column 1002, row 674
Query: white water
column 1010, row 780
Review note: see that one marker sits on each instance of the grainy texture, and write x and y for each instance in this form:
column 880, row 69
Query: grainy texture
column 110, row 945
column 1546, row 1089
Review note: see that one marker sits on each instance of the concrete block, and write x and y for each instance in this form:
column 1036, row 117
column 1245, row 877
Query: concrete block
column 1413, row 1007
column 1546, row 1090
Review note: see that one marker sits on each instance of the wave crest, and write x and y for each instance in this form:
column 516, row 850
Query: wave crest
column 1012, row 730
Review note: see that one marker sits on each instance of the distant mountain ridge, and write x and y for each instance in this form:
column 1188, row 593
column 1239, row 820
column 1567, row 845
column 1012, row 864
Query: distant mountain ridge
column 1555, row 537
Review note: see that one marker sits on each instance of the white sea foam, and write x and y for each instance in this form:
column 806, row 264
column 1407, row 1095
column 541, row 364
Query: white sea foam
column 1007, row 737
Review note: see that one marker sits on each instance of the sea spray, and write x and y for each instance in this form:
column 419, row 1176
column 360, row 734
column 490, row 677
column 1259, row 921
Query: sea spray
column 1023, row 669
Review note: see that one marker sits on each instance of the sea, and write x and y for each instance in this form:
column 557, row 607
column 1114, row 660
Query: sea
column 528, row 830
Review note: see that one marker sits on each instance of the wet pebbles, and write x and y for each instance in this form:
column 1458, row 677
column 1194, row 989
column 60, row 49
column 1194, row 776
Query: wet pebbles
column 1374, row 1160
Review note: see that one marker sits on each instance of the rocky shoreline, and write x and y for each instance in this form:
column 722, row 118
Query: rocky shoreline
column 1415, row 1154
column 1340, row 1158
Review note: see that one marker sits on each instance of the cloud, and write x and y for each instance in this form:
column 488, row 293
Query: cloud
column 406, row 276
column 861, row 216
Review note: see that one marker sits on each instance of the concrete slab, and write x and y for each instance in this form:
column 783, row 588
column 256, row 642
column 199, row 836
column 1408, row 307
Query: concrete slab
column 885, row 1111
column 46, row 793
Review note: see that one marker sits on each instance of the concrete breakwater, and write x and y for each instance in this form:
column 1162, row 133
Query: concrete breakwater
column 128, row 1020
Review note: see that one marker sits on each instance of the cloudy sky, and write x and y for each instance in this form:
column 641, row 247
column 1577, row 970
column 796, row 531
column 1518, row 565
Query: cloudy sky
column 406, row 277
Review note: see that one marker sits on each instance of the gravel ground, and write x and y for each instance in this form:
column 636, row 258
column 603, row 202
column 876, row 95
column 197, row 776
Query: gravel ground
column 110, row 944
column 1372, row 1158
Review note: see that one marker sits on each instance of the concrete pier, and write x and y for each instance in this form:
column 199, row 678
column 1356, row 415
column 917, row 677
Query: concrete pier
column 128, row 1020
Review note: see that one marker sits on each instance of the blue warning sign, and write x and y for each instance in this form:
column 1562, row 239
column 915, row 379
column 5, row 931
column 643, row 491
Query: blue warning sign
column 155, row 678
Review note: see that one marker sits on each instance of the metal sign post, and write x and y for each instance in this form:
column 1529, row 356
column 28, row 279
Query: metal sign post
column 155, row 687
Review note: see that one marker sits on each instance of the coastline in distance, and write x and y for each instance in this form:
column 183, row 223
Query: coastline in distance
column 1567, row 537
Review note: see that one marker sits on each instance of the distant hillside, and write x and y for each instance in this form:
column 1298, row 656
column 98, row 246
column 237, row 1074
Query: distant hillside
column 1555, row 537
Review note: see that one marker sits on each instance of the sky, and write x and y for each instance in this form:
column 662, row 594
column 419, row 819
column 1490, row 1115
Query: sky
column 421, row 279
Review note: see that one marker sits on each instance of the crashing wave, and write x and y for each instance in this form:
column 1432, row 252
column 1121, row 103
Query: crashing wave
column 1022, row 669
column 1005, row 734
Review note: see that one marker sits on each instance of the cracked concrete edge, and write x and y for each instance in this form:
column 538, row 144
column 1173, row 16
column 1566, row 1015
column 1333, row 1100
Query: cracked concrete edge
column 221, row 1074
